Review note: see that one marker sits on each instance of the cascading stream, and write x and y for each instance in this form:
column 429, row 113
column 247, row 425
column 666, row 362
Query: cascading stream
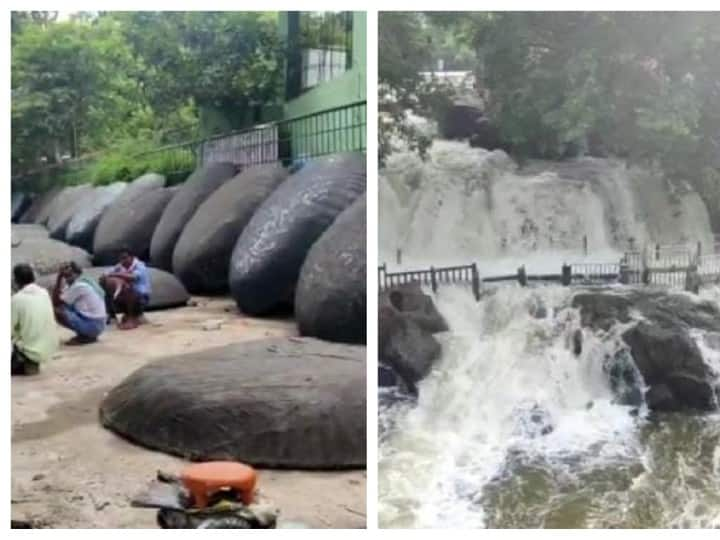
column 511, row 429
column 463, row 204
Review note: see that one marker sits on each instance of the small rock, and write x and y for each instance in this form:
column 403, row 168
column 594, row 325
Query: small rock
column 101, row 506
column 38, row 477
column 213, row 324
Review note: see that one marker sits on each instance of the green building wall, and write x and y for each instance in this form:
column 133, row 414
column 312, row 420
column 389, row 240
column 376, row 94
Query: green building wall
column 332, row 128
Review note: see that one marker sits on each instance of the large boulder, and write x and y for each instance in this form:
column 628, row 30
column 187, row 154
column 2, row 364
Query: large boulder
column 181, row 208
column 130, row 225
column 61, row 217
column 80, row 230
column 46, row 255
column 662, row 336
column 407, row 322
column 331, row 293
column 167, row 291
column 19, row 203
column 280, row 402
column 140, row 186
column 59, row 205
column 202, row 255
column 38, row 206
column 53, row 196
column 269, row 253
column 23, row 231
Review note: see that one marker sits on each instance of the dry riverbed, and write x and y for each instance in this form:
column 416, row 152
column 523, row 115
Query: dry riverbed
column 69, row 472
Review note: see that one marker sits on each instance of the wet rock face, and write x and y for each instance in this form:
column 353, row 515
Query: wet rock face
column 408, row 320
column 663, row 348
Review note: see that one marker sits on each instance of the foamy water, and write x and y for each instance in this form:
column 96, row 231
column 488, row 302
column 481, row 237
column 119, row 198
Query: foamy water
column 474, row 451
column 468, row 454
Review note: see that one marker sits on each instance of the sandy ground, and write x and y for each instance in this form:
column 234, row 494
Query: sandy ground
column 69, row 472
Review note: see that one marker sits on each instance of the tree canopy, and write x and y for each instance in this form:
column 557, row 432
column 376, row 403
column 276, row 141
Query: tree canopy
column 102, row 80
column 644, row 86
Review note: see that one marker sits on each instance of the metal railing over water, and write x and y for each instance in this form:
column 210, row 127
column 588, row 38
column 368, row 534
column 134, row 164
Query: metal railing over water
column 671, row 268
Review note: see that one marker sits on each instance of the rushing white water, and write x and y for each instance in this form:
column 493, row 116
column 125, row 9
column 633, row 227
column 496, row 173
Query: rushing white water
column 474, row 450
column 501, row 368
column 473, row 204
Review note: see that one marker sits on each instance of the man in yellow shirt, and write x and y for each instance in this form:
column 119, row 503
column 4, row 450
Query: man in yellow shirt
column 34, row 333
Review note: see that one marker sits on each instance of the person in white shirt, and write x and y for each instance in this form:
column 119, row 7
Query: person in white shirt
column 79, row 304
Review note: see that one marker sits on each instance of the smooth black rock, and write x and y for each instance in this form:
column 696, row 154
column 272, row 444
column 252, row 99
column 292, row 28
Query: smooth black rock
column 140, row 186
column 59, row 200
column 61, row 217
column 267, row 258
column 281, row 402
column 202, row 255
column 80, row 231
column 331, row 293
column 39, row 206
column 130, row 225
column 23, row 231
column 46, row 255
column 19, row 203
column 182, row 207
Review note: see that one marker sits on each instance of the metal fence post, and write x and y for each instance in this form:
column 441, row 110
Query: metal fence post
column 566, row 275
column 433, row 280
column 476, row 281
column 522, row 276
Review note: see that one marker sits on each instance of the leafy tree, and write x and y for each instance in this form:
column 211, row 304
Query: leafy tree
column 67, row 88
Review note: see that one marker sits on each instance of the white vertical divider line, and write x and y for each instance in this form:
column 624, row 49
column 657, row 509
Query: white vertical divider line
column 372, row 264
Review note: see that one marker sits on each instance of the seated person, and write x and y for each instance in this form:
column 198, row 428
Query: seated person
column 34, row 333
column 79, row 304
column 127, row 289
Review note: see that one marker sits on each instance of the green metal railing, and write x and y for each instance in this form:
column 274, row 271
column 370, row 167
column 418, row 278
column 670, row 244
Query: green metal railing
column 293, row 140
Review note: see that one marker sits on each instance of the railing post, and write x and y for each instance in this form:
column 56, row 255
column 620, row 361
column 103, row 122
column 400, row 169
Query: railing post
column 382, row 269
column 522, row 276
column 398, row 256
column 566, row 275
column 624, row 272
column 699, row 250
column 657, row 252
column 585, row 245
column 476, row 281
column 433, row 280
column 646, row 277
column 692, row 279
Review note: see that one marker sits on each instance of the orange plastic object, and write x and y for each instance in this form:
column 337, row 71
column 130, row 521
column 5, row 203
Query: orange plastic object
column 205, row 479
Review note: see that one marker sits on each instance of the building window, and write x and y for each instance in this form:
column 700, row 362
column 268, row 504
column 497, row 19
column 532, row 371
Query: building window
column 322, row 45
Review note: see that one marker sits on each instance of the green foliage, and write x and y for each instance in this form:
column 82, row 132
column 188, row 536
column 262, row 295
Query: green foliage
column 642, row 86
column 230, row 59
column 130, row 160
column 406, row 45
column 88, row 85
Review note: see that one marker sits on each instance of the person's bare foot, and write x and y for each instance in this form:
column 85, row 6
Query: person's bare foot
column 128, row 324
